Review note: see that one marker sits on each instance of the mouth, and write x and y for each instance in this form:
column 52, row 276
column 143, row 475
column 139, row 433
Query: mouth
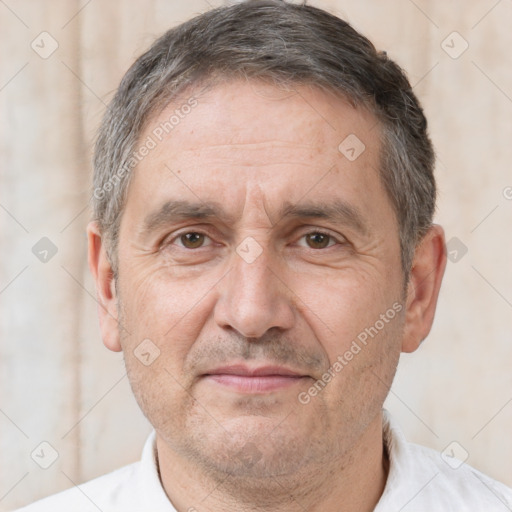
column 262, row 379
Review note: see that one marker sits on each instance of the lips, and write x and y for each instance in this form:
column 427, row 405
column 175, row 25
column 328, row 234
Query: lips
column 260, row 379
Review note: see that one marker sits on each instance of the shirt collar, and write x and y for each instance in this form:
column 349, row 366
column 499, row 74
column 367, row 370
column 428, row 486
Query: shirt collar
column 155, row 497
column 408, row 474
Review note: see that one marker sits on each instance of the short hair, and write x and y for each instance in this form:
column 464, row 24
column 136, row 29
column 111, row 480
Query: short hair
column 280, row 43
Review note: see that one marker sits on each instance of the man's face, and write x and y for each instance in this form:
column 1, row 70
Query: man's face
column 249, row 305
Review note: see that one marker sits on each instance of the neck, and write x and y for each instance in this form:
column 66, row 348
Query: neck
column 353, row 482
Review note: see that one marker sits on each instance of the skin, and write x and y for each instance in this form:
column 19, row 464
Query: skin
column 300, row 304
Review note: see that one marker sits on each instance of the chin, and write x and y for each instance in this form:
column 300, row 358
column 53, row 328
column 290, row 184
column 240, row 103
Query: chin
column 255, row 447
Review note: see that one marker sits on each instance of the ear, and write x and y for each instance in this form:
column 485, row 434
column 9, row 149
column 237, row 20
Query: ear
column 423, row 289
column 101, row 270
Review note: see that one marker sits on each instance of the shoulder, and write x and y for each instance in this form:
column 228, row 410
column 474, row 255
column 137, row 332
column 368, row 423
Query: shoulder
column 133, row 488
column 102, row 493
column 421, row 479
column 455, row 482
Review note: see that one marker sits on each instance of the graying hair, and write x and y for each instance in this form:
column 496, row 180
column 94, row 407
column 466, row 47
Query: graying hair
column 281, row 43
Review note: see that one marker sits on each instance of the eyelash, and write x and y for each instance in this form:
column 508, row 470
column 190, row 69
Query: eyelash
column 199, row 232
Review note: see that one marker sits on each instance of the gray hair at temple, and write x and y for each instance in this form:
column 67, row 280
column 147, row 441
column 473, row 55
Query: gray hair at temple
column 284, row 44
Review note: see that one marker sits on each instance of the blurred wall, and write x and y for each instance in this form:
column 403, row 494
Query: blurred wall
column 61, row 60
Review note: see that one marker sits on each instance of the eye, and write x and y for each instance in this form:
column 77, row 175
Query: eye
column 196, row 239
column 190, row 239
column 319, row 240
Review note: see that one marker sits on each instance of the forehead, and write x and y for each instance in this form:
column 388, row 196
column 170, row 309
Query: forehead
column 240, row 111
column 242, row 138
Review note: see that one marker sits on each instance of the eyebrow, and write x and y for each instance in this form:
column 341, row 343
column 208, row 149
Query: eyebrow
column 337, row 211
column 175, row 211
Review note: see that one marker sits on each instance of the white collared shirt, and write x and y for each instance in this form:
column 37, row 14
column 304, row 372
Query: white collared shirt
column 419, row 480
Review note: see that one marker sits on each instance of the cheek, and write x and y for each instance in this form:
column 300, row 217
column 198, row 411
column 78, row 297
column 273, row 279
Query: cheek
column 161, row 318
column 363, row 355
column 358, row 318
column 349, row 306
column 167, row 310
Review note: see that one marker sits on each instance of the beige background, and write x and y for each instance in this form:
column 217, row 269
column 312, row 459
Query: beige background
column 57, row 382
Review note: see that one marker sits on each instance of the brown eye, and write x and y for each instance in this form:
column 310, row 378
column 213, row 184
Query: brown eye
column 192, row 240
column 317, row 240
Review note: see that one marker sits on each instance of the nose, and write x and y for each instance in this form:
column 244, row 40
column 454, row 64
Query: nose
column 253, row 296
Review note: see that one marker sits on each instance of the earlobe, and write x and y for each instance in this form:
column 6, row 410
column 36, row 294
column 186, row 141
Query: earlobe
column 101, row 270
column 423, row 290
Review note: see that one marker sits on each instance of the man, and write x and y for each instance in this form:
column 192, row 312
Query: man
column 263, row 250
